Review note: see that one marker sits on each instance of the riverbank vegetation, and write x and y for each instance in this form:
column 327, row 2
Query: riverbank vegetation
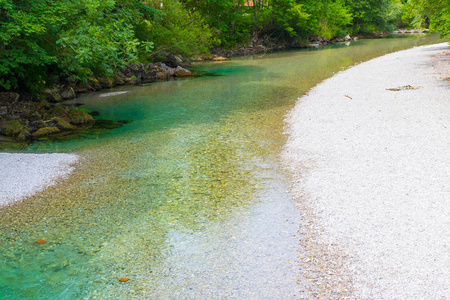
column 44, row 41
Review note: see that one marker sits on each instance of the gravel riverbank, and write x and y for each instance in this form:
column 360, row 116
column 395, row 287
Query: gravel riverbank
column 22, row 174
column 369, row 151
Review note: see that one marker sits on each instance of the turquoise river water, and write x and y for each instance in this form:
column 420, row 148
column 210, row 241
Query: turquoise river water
column 188, row 201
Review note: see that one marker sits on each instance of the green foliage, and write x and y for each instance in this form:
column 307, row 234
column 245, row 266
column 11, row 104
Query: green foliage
column 76, row 38
column 230, row 18
column 329, row 18
column 288, row 17
column 372, row 15
column 177, row 30
column 432, row 13
column 44, row 40
column 24, row 34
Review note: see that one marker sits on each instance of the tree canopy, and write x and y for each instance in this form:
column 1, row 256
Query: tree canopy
column 42, row 41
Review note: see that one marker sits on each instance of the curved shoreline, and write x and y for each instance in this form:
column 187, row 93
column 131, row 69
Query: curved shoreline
column 23, row 174
column 369, row 153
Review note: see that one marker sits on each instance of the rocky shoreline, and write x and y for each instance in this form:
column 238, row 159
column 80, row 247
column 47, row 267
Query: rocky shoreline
column 26, row 118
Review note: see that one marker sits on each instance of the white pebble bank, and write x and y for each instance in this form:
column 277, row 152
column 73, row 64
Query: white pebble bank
column 374, row 165
column 23, row 175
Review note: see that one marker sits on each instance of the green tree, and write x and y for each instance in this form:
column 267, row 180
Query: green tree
column 328, row 18
column 77, row 38
column 434, row 14
column 177, row 30
column 26, row 29
column 372, row 15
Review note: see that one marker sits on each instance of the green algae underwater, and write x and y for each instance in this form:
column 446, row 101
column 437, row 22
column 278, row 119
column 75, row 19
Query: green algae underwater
column 188, row 201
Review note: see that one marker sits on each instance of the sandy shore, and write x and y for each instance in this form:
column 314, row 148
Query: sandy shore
column 23, row 175
column 369, row 150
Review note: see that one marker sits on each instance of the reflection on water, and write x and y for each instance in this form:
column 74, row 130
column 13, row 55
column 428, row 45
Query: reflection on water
column 187, row 200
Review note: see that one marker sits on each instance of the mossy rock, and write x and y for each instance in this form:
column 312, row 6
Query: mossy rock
column 117, row 80
column 77, row 116
column 9, row 97
column 58, row 112
column 45, row 131
column 63, row 125
column 13, row 128
column 24, row 135
column 106, row 82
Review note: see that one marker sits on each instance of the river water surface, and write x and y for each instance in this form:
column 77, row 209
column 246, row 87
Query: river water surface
column 188, row 201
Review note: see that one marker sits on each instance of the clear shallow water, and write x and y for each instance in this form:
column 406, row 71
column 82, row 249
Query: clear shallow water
column 188, row 200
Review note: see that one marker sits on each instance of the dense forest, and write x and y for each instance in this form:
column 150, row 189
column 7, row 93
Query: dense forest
column 42, row 41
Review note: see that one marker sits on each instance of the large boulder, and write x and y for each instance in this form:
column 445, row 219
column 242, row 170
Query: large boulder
column 35, row 125
column 63, row 125
column 26, row 110
column 83, row 87
column 106, row 82
column 45, row 131
column 67, row 93
column 58, row 111
column 171, row 60
column 159, row 71
column 24, row 135
column 8, row 97
column 52, row 94
column 77, row 116
column 12, row 128
column 134, row 71
column 182, row 72
column 117, row 80
column 3, row 111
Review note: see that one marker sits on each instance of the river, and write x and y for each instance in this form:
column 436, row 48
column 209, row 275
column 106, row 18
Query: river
column 189, row 200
